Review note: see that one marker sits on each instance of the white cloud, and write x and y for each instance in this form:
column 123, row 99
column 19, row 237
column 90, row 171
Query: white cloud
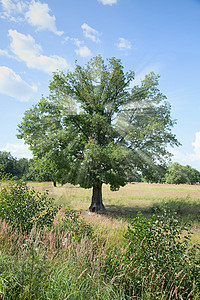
column 34, row 12
column 77, row 42
column 90, row 33
column 13, row 9
column 179, row 156
column 108, row 2
column 123, row 44
column 18, row 151
column 38, row 16
column 12, row 85
column 26, row 49
column 196, row 145
column 82, row 50
column 189, row 158
column 66, row 39
column 5, row 53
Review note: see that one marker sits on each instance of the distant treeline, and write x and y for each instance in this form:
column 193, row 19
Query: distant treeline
column 22, row 168
column 33, row 170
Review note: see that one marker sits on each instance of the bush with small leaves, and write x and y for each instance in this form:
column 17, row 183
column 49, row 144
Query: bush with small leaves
column 23, row 207
column 159, row 260
column 162, row 257
column 72, row 224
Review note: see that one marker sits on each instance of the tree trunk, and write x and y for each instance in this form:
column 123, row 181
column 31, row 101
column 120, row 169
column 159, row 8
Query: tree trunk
column 97, row 203
column 54, row 183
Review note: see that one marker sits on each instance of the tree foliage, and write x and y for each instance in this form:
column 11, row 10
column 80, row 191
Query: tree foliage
column 41, row 170
column 179, row 174
column 13, row 167
column 94, row 129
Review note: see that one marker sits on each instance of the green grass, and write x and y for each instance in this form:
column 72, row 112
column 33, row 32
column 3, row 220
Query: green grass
column 41, row 266
column 131, row 192
column 127, row 202
column 49, row 264
column 62, row 263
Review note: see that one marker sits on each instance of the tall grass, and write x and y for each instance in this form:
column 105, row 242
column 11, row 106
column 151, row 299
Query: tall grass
column 105, row 256
column 51, row 264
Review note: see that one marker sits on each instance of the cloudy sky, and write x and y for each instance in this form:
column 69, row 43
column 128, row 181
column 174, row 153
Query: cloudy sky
column 40, row 37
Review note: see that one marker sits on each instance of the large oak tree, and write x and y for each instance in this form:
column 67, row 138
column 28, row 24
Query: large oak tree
column 95, row 129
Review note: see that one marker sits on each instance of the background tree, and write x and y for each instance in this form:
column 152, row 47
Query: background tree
column 8, row 163
column 16, row 168
column 97, row 130
column 22, row 166
column 178, row 174
column 42, row 169
column 192, row 174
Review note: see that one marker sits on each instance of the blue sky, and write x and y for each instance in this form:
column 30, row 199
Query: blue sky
column 39, row 37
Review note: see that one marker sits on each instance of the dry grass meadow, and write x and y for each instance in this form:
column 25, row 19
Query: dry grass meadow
column 150, row 259
column 127, row 202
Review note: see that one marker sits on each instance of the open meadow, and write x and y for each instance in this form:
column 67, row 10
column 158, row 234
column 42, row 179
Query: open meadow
column 128, row 201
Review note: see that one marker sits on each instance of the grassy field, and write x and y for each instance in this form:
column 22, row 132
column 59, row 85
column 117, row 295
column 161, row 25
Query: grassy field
column 104, row 256
column 127, row 202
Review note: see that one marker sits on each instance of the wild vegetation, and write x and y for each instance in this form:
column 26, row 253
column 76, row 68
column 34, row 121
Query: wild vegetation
column 121, row 254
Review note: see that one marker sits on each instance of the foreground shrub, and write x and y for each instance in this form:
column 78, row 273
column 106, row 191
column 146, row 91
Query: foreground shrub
column 73, row 226
column 22, row 207
column 162, row 262
column 157, row 262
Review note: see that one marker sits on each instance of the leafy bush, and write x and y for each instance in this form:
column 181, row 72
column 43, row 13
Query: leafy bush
column 160, row 259
column 74, row 226
column 22, row 207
